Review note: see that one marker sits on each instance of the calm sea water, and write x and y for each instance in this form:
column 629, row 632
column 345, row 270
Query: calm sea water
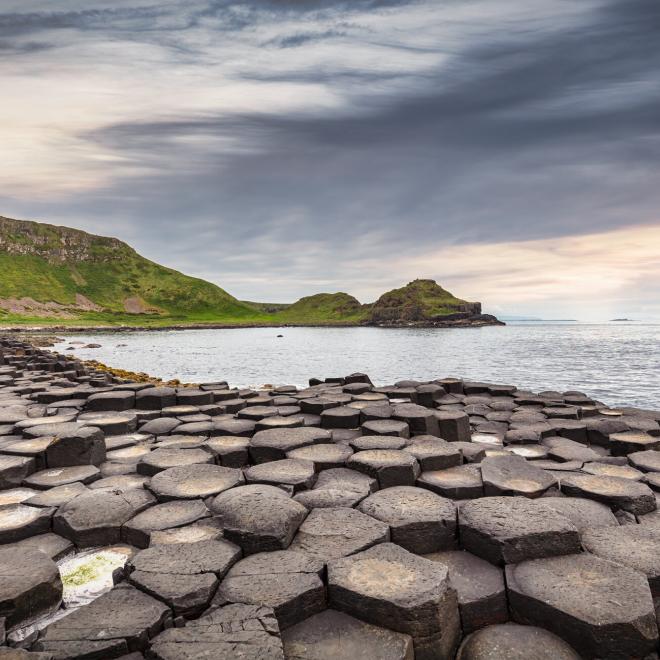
column 618, row 363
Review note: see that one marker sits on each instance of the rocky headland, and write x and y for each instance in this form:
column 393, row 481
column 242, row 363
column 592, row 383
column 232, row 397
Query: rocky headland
column 417, row 520
column 57, row 278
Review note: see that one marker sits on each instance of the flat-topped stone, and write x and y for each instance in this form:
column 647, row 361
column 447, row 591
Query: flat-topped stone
column 415, row 599
column 229, row 450
column 161, row 459
column 155, row 398
column 18, row 521
column 340, row 417
column 15, row 469
column 457, row 483
column 258, row 517
column 96, row 517
column 433, row 453
column 30, row 585
column 453, row 425
column 117, row 622
column 508, row 530
column 329, row 533
column 479, row 588
column 295, row 473
column 603, row 609
column 510, row 641
column 582, row 512
column 420, row 521
column 513, row 475
column 324, row 456
column 57, row 496
column 137, row 530
column 393, row 427
column 233, row 631
column 183, row 575
column 194, row 481
column 54, row 477
column 390, row 467
column 334, row 635
column 289, row 582
column 273, row 444
column 631, row 545
column 626, row 442
column 625, row 494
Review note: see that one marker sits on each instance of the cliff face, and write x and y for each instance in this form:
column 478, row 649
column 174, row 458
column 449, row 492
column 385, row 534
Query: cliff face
column 58, row 244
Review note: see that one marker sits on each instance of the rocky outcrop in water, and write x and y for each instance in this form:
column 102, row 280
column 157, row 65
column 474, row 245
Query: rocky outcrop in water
column 428, row 520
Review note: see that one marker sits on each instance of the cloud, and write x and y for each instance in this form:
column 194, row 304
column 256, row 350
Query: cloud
column 279, row 148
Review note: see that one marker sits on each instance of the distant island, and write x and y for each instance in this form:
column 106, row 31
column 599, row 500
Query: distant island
column 617, row 320
column 66, row 278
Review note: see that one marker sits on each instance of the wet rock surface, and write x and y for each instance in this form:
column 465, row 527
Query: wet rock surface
column 334, row 521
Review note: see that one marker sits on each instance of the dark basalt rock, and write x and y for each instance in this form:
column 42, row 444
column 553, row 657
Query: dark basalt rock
column 258, row 517
column 630, row 545
column 479, row 588
column 229, row 450
column 603, row 609
column 273, row 444
column 420, row 521
column 341, row 417
column 624, row 494
column 119, row 621
column 30, row 585
column 453, row 426
column 508, row 530
column 333, row 635
column 84, row 446
column 183, row 575
column 329, row 533
column 396, row 428
column 289, row 582
column 14, row 470
column 162, row 459
column 457, row 483
column 115, row 401
column 433, row 453
column 324, row 456
column 390, row 467
column 155, row 398
column 415, row 599
column 18, row 522
column 297, row 474
column 57, row 496
column 194, row 481
column 513, row 475
column 511, row 641
column 95, row 518
column 581, row 512
column 234, row 631
column 137, row 531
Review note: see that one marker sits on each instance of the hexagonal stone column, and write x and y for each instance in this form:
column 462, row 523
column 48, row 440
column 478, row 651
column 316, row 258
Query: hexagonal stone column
column 120, row 621
column 194, row 482
column 333, row 635
column 603, row 609
column 479, row 587
column 296, row 474
column 183, row 575
column 393, row 588
column 453, row 425
column 96, row 517
column 511, row 641
column 30, row 585
column 419, row 419
column 513, row 475
column 631, row 545
column 433, row 453
column 507, row 530
column 14, row 469
column 458, row 483
column 18, row 521
column 233, row 631
column 391, row 467
column 632, row 496
column 273, row 444
column 258, row 517
column 420, row 521
column 331, row 533
column 289, row 582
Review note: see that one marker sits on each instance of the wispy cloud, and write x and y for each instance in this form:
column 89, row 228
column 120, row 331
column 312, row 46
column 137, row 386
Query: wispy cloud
column 304, row 141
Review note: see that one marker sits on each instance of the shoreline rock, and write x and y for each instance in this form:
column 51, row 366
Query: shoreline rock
column 429, row 520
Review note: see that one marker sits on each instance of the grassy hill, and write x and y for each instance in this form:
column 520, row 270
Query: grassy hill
column 60, row 276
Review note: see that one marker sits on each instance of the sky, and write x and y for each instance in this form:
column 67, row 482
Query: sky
column 509, row 149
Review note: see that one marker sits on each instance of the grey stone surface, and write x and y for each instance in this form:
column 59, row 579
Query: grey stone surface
column 30, row 585
column 415, row 599
column 273, row 444
column 460, row 482
column 162, row 459
column 329, row 533
column 623, row 494
column 289, row 582
column 288, row 472
column 258, row 517
column 511, row 641
column 420, row 521
column 194, row 481
column 333, row 635
column 603, row 609
column 119, row 621
column 582, row 512
column 390, row 467
column 513, row 475
column 18, row 521
column 479, row 588
column 508, row 530
column 248, row 632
